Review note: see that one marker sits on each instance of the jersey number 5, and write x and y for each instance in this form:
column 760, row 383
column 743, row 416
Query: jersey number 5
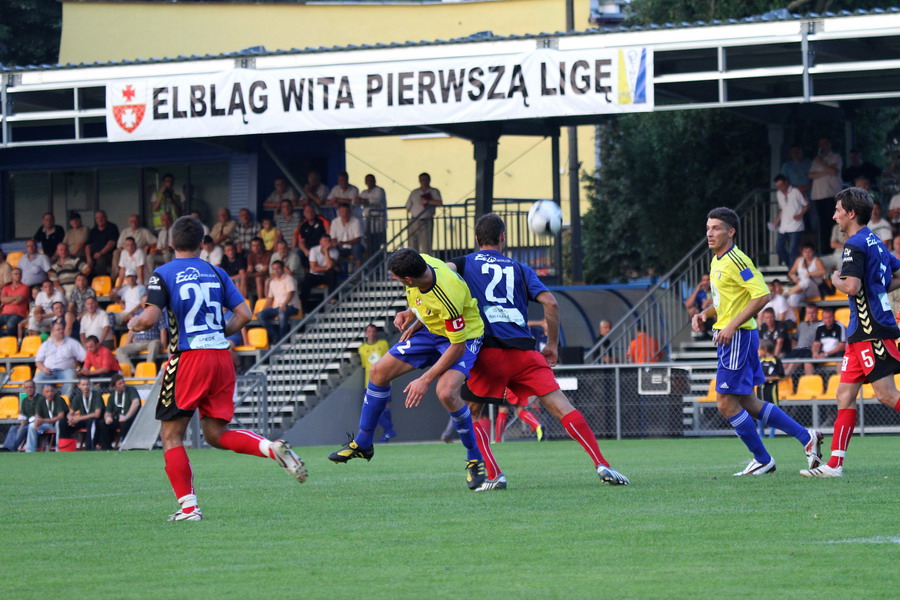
column 497, row 274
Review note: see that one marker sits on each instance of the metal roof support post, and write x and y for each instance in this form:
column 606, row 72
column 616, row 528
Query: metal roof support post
column 485, row 155
column 808, row 56
column 4, row 126
column 557, row 197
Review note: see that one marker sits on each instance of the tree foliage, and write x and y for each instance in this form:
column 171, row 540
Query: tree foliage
column 30, row 31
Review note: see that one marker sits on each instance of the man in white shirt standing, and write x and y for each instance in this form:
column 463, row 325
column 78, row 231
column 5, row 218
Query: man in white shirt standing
column 374, row 203
column 791, row 208
column 420, row 204
column 825, row 173
column 346, row 232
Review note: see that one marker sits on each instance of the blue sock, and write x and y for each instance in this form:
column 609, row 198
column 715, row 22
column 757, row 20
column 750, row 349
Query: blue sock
column 462, row 420
column 773, row 416
column 385, row 422
column 374, row 401
column 745, row 428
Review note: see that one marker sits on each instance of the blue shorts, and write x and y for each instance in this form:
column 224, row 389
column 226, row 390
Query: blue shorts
column 739, row 369
column 424, row 349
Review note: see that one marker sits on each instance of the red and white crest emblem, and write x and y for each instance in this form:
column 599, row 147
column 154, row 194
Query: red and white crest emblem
column 129, row 105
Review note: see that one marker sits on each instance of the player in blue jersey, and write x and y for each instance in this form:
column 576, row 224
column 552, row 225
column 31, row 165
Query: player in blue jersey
column 868, row 273
column 508, row 358
column 739, row 292
column 199, row 374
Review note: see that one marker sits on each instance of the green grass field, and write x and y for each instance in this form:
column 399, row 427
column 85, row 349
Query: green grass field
column 405, row 525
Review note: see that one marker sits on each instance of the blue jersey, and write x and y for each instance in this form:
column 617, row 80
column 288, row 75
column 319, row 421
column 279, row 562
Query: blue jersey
column 503, row 288
column 867, row 258
column 193, row 292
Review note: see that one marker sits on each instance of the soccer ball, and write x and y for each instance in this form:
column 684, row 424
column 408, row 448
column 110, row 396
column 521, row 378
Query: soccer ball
column 545, row 217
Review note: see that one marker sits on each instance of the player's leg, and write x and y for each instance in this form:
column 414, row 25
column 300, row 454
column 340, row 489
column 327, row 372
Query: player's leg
column 500, row 423
column 771, row 415
column 492, row 469
column 529, row 417
column 386, row 422
column 178, row 468
column 448, row 392
column 730, row 407
column 844, row 424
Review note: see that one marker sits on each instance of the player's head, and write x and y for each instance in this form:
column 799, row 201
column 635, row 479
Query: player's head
column 490, row 230
column 406, row 264
column 187, row 233
column 852, row 204
column 721, row 227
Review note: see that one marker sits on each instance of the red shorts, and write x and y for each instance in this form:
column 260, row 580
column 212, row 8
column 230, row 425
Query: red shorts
column 865, row 362
column 525, row 372
column 198, row 379
column 514, row 400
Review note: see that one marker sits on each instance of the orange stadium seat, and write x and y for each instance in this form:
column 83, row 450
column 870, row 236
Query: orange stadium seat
column 808, row 388
column 101, row 284
column 9, row 345
column 20, row 374
column 29, row 348
column 9, row 407
column 13, row 258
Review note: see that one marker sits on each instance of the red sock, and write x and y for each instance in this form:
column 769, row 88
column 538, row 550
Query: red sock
column 492, row 469
column 178, row 468
column 580, row 431
column 242, row 442
column 500, row 426
column 528, row 417
column 897, row 406
column 485, row 424
column 843, row 431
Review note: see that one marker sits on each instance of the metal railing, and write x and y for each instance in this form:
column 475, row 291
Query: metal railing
column 661, row 312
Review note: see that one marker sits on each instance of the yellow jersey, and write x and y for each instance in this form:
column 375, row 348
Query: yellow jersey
column 447, row 308
column 735, row 281
column 370, row 353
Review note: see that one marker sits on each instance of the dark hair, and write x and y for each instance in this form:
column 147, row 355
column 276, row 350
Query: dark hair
column 406, row 262
column 767, row 345
column 207, row 239
column 770, row 311
column 115, row 378
column 187, row 232
column 810, row 245
column 277, row 262
column 856, row 200
column 776, row 281
column 488, row 230
column 228, row 244
column 92, row 338
column 781, row 177
column 131, row 238
column 421, row 175
column 726, row 215
column 169, row 176
column 826, row 309
column 343, row 174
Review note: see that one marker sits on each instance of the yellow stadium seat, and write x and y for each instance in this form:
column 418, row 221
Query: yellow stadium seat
column 66, row 400
column 101, row 284
column 30, row 346
column 710, row 392
column 868, row 391
column 808, row 388
column 9, row 345
column 126, row 369
column 13, row 258
column 105, row 398
column 836, row 298
column 257, row 338
column 9, row 407
column 20, row 374
column 260, row 304
column 786, row 388
column 145, row 370
column 831, row 390
column 114, row 308
column 122, row 338
column 843, row 315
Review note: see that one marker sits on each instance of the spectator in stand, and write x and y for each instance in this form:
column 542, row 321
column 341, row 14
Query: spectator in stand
column 603, row 329
column 282, row 192
column 773, row 370
column 130, row 296
column 101, row 244
column 838, row 238
column 779, row 304
column 165, row 201
column 98, row 360
column 235, row 265
column 121, row 408
column 308, row 234
column 244, row 232
column 894, row 212
column 86, row 409
column 281, row 303
column 151, row 340
column 880, row 227
column 163, row 252
column 792, row 205
column 825, row 173
column 859, row 167
column 49, row 410
column 315, row 192
column 796, row 168
column 49, row 234
column 95, row 322
column 290, row 260
column 5, row 270
column 831, row 338
column 61, row 315
column 323, row 268
column 77, row 235
column 34, row 266
column 643, row 348
column 699, row 298
column 806, row 335
column 211, row 253
column 17, row 433
column 268, row 234
column 807, row 273
column 143, row 240
column 865, row 184
column 131, row 259
column 258, row 268
column 48, row 296
column 286, row 221
column 58, row 358
column 15, row 299
column 346, row 231
column 223, row 231
column 79, row 295
column 775, row 332
column 374, row 203
column 196, row 215
column 65, row 268
column 420, row 205
column 344, row 193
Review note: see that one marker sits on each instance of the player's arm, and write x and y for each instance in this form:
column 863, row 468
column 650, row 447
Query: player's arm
column 754, row 306
column 895, row 281
column 146, row 319
column 848, row 279
column 157, row 297
column 240, row 312
column 416, row 389
column 551, row 317
column 700, row 318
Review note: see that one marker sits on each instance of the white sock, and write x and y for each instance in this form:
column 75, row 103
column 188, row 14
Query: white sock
column 188, row 501
column 265, row 446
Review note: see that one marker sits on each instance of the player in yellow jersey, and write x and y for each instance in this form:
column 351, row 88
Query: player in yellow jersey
column 446, row 345
column 370, row 352
column 738, row 293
